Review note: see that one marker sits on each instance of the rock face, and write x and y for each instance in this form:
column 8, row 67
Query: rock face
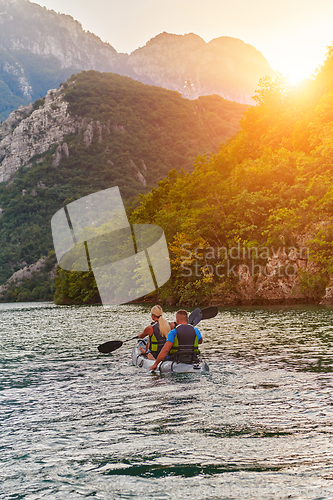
column 276, row 282
column 26, row 26
column 27, row 133
column 186, row 63
column 35, row 131
column 40, row 48
column 23, row 274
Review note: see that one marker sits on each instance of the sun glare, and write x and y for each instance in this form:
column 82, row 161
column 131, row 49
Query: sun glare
column 296, row 77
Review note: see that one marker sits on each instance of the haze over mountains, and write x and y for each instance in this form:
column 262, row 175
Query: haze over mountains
column 40, row 48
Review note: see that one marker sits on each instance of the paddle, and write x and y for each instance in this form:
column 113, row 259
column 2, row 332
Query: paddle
column 206, row 313
column 194, row 318
column 112, row 345
column 209, row 312
column 195, row 315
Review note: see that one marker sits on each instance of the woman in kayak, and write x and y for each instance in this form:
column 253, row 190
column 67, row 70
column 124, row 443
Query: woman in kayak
column 158, row 331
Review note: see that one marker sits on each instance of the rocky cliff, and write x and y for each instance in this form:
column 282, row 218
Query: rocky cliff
column 40, row 48
column 279, row 281
column 186, row 63
column 28, row 132
column 33, row 130
column 26, row 26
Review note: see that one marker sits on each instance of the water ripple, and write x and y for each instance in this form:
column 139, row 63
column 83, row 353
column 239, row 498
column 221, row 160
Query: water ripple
column 78, row 424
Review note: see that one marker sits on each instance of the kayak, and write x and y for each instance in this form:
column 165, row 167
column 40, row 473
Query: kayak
column 166, row 366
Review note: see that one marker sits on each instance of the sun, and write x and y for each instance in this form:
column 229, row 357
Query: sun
column 296, row 77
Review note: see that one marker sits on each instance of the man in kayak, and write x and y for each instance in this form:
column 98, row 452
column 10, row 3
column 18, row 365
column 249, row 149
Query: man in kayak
column 182, row 341
column 157, row 331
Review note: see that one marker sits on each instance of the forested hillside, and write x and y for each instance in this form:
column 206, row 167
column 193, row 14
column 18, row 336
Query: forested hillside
column 123, row 133
column 268, row 192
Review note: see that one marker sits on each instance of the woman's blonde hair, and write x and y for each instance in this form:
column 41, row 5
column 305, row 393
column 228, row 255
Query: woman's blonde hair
column 162, row 323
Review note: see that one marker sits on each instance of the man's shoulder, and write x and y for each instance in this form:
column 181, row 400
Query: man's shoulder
column 198, row 332
column 172, row 334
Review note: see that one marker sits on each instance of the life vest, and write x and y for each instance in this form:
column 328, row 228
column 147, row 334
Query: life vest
column 185, row 340
column 156, row 340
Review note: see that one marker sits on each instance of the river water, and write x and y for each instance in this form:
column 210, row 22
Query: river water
column 78, row 424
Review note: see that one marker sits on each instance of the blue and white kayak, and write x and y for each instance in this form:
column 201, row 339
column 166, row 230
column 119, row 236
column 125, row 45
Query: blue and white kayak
column 166, row 366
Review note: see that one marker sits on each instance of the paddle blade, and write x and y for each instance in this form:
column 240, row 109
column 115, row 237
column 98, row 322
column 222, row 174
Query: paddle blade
column 195, row 316
column 110, row 346
column 209, row 312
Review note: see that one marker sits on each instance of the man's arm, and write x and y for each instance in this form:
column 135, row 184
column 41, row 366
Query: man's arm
column 164, row 352
column 198, row 335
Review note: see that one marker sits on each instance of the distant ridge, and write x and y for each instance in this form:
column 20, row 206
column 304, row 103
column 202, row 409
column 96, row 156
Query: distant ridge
column 40, row 48
column 225, row 66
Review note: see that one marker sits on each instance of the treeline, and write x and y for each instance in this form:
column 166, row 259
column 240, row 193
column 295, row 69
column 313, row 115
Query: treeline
column 270, row 186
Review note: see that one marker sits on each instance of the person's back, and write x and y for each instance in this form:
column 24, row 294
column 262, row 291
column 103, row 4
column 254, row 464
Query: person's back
column 157, row 332
column 185, row 345
column 156, row 340
column 185, row 339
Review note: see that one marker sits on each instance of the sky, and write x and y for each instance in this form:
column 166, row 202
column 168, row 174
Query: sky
column 292, row 34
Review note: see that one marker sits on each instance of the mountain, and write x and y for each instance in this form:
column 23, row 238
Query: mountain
column 253, row 224
column 97, row 130
column 225, row 66
column 39, row 49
